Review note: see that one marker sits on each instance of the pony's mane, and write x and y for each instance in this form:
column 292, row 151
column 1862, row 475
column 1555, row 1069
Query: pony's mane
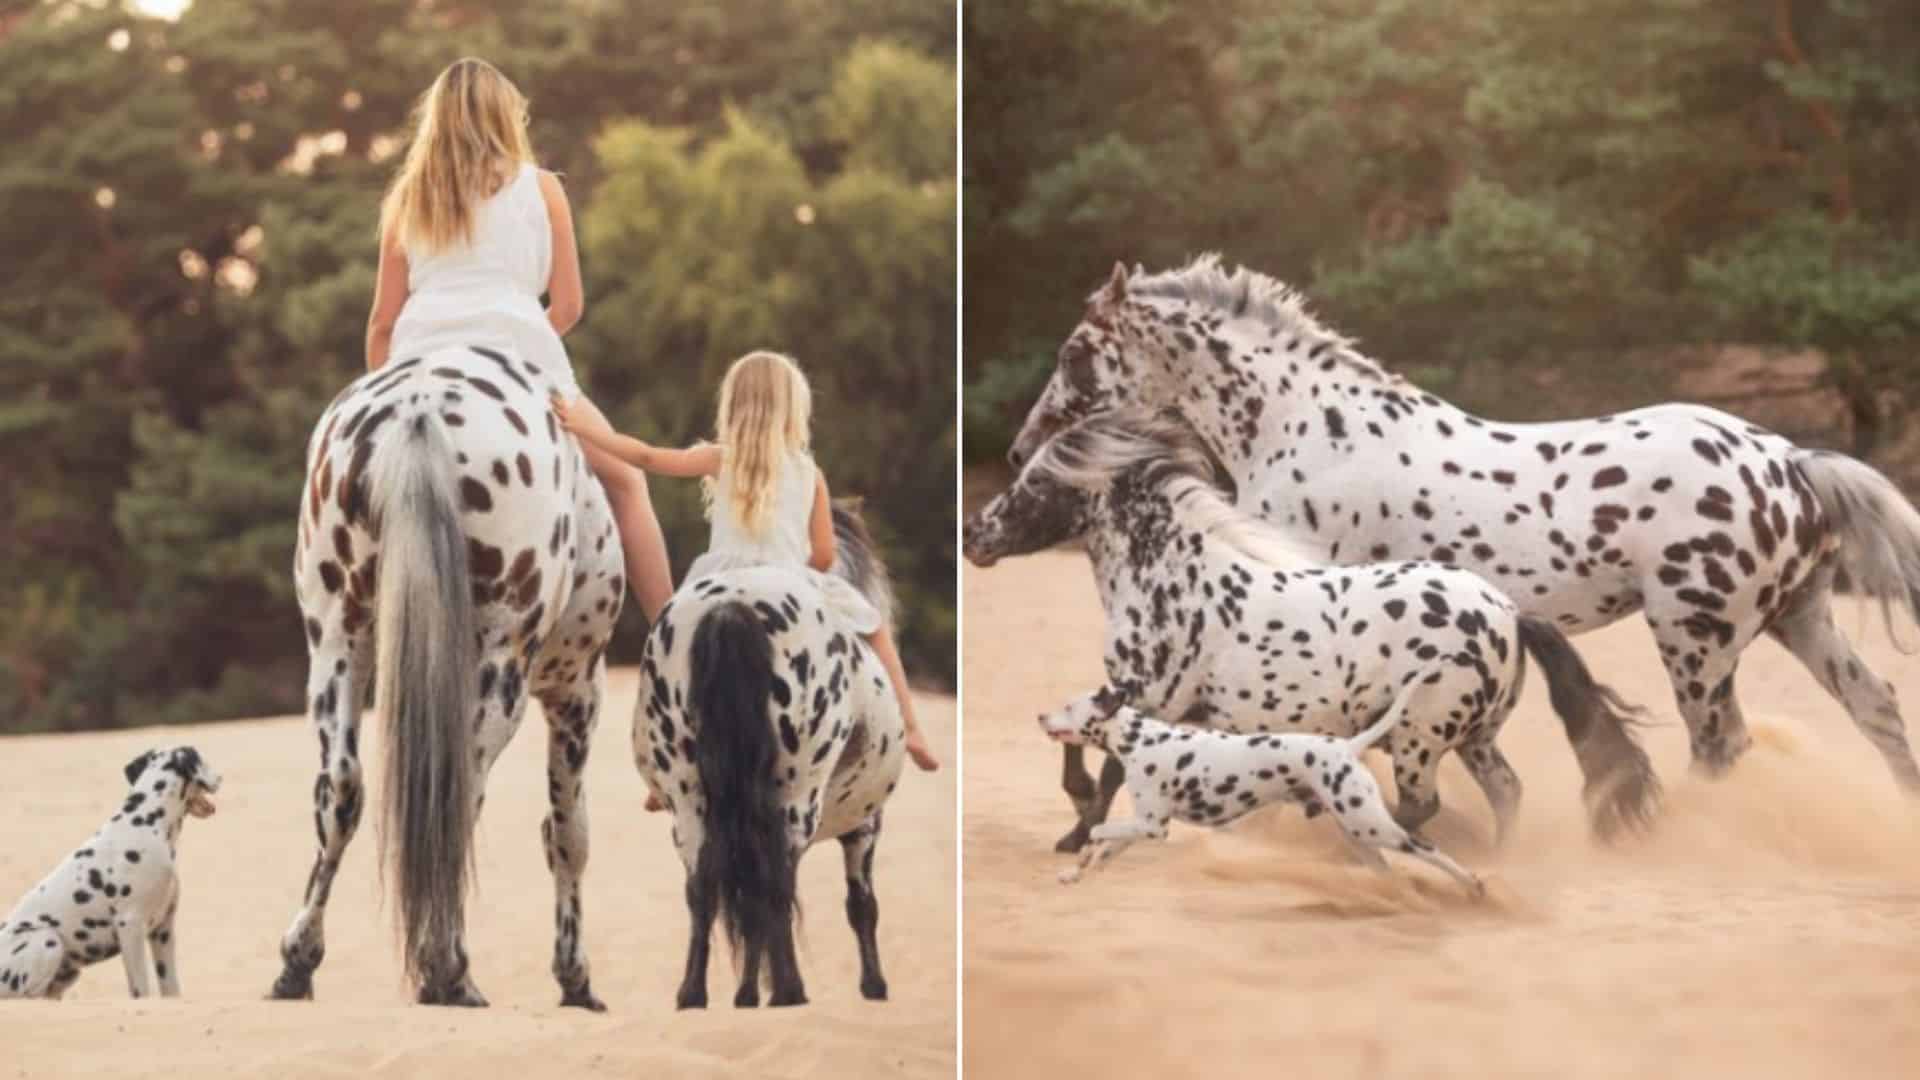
column 1242, row 292
column 1092, row 453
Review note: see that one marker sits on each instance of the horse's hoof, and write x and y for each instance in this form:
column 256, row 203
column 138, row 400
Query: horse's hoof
column 748, row 996
column 292, row 985
column 783, row 998
column 1071, row 843
column 581, row 997
column 462, row 997
column 873, row 988
column 691, row 999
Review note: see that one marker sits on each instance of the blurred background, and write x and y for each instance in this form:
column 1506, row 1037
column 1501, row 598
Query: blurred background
column 1538, row 209
column 188, row 196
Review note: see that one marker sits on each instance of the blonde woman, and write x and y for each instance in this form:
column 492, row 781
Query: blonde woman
column 767, row 500
column 471, row 233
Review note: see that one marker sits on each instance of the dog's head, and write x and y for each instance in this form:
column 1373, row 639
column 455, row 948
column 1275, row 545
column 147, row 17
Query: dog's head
column 198, row 780
column 1086, row 720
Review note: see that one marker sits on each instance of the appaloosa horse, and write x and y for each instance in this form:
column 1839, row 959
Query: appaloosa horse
column 766, row 728
column 1714, row 528
column 452, row 539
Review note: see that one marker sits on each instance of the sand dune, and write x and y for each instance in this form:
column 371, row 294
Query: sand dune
column 244, row 869
column 1769, row 928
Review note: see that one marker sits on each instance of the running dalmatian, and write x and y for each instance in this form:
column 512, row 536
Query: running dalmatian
column 117, row 893
column 1207, row 777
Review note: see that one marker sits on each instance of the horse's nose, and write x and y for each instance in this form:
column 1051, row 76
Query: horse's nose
column 1015, row 458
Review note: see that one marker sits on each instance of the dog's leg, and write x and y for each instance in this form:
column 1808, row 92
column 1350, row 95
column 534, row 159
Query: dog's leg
column 572, row 711
column 164, row 964
column 133, row 953
column 1433, row 856
column 31, row 963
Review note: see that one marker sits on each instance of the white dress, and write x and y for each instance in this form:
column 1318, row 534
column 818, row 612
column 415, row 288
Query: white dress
column 487, row 292
column 785, row 543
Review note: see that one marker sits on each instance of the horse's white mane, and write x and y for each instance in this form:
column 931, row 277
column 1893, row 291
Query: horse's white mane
column 1091, row 453
column 1243, row 292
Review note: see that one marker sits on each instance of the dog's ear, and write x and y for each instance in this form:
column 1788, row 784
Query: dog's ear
column 1107, row 701
column 137, row 766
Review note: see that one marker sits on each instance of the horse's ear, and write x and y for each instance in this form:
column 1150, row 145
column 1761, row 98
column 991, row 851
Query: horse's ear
column 1116, row 290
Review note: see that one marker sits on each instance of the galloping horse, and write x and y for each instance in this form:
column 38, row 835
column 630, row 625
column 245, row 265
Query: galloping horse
column 766, row 728
column 453, row 540
column 1716, row 529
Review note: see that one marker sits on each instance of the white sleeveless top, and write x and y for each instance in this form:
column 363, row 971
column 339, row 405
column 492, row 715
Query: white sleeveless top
column 786, row 542
column 487, row 292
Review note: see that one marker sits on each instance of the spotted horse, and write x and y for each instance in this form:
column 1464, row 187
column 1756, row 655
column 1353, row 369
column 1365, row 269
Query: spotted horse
column 1218, row 619
column 1716, row 530
column 765, row 729
column 452, row 540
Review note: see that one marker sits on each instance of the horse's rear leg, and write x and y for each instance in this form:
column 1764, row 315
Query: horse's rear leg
column 334, row 692
column 572, row 712
column 1491, row 770
column 1701, row 652
column 701, row 909
column 863, row 910
column 1807, row 629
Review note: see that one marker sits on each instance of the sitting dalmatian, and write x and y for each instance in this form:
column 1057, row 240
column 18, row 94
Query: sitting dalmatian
column 1210, row 777
column 117, row 892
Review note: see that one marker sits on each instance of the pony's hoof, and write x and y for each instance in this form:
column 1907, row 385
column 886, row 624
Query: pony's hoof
column 462, row 997
column 783, row 998
column 873, row 988
column 748, row 996
column 581, row 997
column 1071, row 843
column 292, row 985
column 691, row 999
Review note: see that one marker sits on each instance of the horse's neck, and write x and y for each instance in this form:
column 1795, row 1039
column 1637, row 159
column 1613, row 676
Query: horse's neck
column 1134, row 545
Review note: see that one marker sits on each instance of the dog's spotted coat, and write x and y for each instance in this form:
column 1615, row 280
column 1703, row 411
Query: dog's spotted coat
column 1185, row 773
column 547, row 583
column 117, row 894
column 1715, row 529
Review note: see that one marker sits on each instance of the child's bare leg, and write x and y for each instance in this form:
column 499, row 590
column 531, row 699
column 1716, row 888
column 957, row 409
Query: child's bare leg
column 640, row 537
column 917, row 749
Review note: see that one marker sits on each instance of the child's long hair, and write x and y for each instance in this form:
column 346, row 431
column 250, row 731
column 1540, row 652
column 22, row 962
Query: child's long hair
column 766, row 413
column 470, row 132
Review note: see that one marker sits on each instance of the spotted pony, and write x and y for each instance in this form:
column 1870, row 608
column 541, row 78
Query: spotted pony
column 452, row 540
column 1217, row 619
column 1714, row 529
column 766, row 728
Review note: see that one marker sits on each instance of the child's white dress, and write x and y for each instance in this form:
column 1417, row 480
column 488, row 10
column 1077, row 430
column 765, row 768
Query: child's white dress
column 785, row 543
column 487, row 293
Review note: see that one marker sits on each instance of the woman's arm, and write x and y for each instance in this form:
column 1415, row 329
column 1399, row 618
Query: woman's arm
column 389, row 296
column 820, row 525
column 585, row 420
column 566, row 296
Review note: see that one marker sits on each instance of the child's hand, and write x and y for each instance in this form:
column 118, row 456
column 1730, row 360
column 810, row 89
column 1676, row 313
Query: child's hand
column 577, row 418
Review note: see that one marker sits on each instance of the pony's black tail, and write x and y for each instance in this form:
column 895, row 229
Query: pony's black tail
column 744, row 867
column 1621, row 789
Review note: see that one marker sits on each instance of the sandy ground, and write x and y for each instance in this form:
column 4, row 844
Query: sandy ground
column 243, row 871
column 1769, row 928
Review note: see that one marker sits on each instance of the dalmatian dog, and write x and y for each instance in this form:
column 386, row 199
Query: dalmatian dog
column 1209, row 777
column 117, row 893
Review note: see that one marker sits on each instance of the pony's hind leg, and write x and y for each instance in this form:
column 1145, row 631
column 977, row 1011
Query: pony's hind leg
column 1805, row 626
column 335, row 687
column 1497, row 779
column 701, row 908
column 863, row 910
column 572, row 712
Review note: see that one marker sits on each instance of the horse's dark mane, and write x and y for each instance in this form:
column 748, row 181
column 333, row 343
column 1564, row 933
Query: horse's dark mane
column 1245, row 293
column 1094, row 452
column 857, row 558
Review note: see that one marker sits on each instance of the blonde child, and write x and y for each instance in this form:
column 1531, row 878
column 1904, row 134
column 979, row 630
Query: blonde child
column 767, row 500
column 471, row 233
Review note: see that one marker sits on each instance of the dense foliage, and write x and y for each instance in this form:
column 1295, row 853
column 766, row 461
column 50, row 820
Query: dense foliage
column 1477, row 183
column 189, row 209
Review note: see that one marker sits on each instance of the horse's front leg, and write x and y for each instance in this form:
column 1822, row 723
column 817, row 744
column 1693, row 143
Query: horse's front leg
column 572, row 711
column 1077, row 782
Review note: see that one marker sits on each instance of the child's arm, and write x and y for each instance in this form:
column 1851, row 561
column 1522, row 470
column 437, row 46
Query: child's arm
column 820, row 525
column 581, row 418
column 566, row 297
column 389, row 296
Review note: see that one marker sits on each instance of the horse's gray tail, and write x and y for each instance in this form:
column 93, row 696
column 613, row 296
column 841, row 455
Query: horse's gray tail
column 1879, row 529
column 1621, row 789
column 744, row 868
column 856, row 558
column 426, row 673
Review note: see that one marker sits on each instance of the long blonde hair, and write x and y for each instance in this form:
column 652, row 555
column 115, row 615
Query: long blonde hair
column 470, row 132
column 766, row 415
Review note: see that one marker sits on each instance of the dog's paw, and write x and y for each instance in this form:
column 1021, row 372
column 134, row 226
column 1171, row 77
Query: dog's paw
column 1070, row 875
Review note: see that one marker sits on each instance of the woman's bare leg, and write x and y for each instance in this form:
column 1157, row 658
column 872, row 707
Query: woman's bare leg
column 917, row 748
column 648, row 574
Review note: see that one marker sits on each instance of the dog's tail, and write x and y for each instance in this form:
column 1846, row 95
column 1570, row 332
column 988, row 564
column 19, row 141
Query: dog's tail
column 427, row 656
column 1388, row 720
column 1621, row 790
column 1879, row 529
column 745, row 868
